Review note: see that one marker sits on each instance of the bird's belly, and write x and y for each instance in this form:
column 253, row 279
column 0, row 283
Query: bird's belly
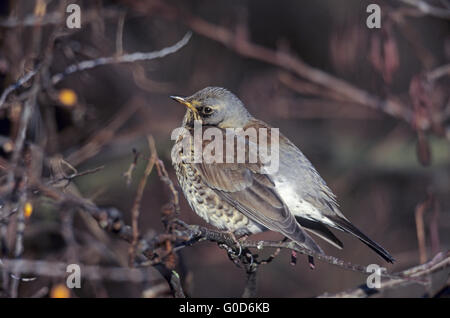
column 209, row 206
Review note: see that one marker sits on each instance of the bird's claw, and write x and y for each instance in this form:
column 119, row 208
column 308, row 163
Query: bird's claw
column 237, row 243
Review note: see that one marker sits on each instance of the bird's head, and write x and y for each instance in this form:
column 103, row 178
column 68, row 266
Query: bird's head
column 214, row 106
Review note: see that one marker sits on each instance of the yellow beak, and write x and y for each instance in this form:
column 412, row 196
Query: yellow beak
column 183, row 101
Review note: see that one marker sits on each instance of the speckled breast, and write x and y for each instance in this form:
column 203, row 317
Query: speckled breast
column 205, row 201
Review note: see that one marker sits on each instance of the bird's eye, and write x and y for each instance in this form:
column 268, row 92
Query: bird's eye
column 207, row 110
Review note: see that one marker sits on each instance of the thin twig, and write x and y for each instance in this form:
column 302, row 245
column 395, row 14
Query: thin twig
column 17, row 85
column 127, row 58
column 71, row 177
column 129, row 173
column 420, row 229
column 164, row 176
column 18, row 250
column 428, row 9
column 27, row 111
column 438, row 72
column 58, row 269
column 440, row 262
column 135, row 211
column 89, row 64
column 119, row 34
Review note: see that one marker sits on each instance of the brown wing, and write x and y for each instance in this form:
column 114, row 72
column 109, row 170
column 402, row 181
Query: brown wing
column 253, row 194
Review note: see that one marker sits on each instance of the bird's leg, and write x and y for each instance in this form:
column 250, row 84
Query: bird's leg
column 293, row 258
column 244, row 256
column 248, row 254
column 236, row 242
column 231, row 254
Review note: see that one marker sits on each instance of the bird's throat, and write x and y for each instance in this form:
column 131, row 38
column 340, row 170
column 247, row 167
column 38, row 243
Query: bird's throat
column 189, row 118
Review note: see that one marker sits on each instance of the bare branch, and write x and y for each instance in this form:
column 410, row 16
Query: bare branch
column 428, row 9
column 137, row 201
column 243, row 46
column 127, row 58
column 129, row 173
column 439, row 263
column 89, row 64
column 58, row 269
column 438, row 72
column 71, row 177
column 17, row 85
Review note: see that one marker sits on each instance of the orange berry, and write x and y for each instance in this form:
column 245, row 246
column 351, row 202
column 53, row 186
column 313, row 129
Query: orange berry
column 60, row 291
column 67, row 97
column 28, row 209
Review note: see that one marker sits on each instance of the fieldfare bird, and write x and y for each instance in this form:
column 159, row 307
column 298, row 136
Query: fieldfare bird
column 243, row 197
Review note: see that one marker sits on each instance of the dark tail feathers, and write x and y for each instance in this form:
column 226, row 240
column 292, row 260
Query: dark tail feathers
column 346, row 226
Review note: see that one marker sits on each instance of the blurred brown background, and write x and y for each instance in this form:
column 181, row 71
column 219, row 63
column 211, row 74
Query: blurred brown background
column 381, row 168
